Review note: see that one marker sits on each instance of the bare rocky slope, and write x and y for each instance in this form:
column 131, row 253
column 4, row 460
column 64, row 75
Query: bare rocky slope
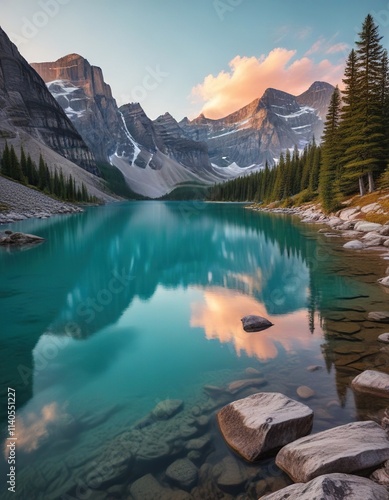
column 32, row 118
column 23, row 203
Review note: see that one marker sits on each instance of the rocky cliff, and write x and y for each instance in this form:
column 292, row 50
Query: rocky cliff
column 318, row 97
column 81, row 91
column 259, row 131
column 27, row 107
column 125, row 137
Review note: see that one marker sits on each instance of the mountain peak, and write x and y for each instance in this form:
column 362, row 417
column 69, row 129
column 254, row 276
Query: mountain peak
column 317, row 96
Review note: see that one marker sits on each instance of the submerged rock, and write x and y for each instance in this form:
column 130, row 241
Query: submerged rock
column 148, row 488
column 254, row 323
column 229, row 474
column 167, row 408
column 348, row 449
column 331, row 487
column 239, row 385
column 262, row 423
column 183, row 473
column 373, row 382
column 305, row 392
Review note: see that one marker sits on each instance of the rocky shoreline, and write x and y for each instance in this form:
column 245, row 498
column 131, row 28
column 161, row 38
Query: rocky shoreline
column 349, row 223
column 19, row 202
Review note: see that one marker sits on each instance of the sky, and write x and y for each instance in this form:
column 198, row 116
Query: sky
column 193, row 56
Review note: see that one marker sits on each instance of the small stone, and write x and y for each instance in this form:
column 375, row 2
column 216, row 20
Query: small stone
column 203, row 421
column 148, row 488
column 305, row 392
column 182, row 473
column 198, row 443
column 367, row 227
column 384, row 281
column 194, row 455
column 381, row 476
column 353, row 245
column 213, row 390
column 167, row 408
column 379, row 316
column 384, row 337
column 239, row 385
column 229, row 474
column 252, row 372
column 314, row 368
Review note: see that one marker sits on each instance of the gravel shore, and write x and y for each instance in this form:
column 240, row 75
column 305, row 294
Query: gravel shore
column 24, row 203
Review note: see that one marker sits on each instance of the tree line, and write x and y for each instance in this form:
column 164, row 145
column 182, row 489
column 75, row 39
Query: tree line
column 25, row 171
column 354, row 152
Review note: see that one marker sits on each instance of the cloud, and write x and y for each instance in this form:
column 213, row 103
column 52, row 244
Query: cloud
column 338, row 47
column 249, row 77
column 316, row 47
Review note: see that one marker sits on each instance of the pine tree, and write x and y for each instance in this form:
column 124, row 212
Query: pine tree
column 6, row 161
column 278, row 189
column 24, row 164
column 42, row 178
column 15, row 168
column 365, row 146
column 329, row 171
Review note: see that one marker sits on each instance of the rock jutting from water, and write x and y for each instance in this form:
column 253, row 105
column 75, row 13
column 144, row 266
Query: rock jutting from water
column 254, row 323
column 372, row 382
column 262, row 423
column 331, row 487
column 11, row 239
column 345, row 449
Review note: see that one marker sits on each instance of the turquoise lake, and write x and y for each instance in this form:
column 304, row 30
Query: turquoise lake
column 128, row 306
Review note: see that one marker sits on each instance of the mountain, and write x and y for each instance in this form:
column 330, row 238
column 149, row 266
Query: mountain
column 164, row 157
column 154, row 157
column 259, row 131
column 81, row 91
column 318, row 97
column 26, row 105
column 30, row 115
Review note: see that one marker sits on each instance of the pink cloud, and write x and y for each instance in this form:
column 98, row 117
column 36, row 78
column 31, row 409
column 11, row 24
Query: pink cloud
column 249, row 77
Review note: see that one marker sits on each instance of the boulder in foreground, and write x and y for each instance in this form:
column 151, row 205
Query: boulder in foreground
column 348, row 448
column 262, row 423
column 331, row 487
column 373, row 382
column 254, row 323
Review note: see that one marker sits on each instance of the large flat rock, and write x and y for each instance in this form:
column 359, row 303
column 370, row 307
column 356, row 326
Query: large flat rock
column 373, row 382
column 262, row 423
column 332, row 487
column 348, row 448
